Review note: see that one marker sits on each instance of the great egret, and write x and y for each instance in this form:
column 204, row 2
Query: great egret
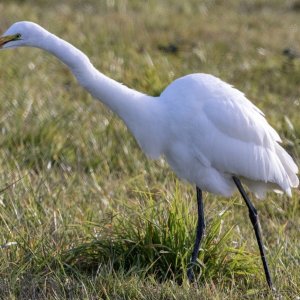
column 208, row 131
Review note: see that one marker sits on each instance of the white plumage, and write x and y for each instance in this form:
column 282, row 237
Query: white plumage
column 216, row 132
column 207, row 130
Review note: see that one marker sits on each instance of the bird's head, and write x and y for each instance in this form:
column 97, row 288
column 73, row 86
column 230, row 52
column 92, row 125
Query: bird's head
column 22, row 34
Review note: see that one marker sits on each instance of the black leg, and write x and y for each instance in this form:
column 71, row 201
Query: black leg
column 255, row 222
column 199, row 235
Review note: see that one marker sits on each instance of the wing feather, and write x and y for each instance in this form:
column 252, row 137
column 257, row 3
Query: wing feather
column 234, row 115
column 249, row 145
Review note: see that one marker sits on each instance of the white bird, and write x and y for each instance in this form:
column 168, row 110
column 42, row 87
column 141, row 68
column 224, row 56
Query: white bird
column 209, row 132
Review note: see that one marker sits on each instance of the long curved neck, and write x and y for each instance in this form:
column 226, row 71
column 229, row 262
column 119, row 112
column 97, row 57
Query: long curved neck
column 141, row 113
column 116, row 96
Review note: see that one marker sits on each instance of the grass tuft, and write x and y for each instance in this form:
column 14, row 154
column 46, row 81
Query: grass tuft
column 157, row 240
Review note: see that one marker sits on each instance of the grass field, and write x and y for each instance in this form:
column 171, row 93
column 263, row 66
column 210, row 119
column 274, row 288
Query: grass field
column 83, row 213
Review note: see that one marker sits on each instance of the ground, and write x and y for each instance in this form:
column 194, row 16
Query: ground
column 83, row 213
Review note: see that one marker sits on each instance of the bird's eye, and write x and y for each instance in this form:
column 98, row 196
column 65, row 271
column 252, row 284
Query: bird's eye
column 18, row 36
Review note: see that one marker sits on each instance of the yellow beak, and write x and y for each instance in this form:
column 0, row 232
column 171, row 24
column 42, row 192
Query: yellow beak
column 6, row 39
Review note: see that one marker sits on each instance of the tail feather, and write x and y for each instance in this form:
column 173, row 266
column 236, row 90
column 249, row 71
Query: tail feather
column 281, row 173
column 289, row 166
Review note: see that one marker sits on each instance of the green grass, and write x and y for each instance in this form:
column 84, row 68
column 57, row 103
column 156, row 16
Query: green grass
column 83, row 213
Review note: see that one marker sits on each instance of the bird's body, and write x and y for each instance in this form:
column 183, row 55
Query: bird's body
column 214, row 133
column 208, row 131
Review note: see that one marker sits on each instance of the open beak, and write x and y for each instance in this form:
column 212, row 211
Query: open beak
column 6, row 39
